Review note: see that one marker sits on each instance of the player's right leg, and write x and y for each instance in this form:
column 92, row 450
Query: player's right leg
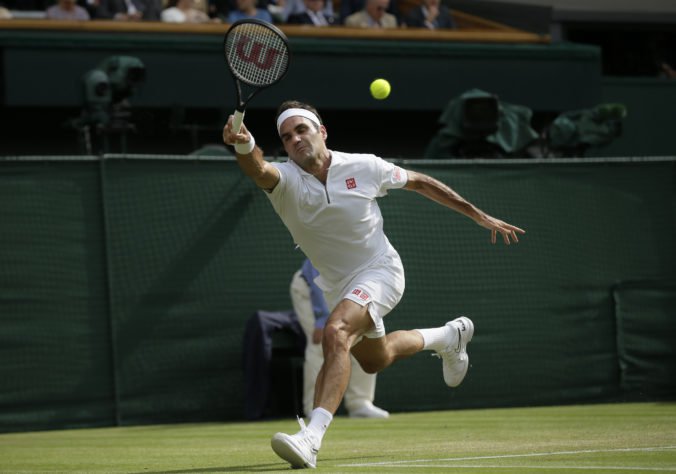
column 347, row 322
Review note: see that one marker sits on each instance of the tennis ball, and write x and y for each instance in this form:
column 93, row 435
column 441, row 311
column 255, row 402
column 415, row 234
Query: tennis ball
column 380, row 89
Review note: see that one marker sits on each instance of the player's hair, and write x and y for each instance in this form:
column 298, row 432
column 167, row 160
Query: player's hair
column 295, row 104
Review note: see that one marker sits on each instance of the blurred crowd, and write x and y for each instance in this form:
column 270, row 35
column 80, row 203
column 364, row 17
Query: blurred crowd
column 429, row 14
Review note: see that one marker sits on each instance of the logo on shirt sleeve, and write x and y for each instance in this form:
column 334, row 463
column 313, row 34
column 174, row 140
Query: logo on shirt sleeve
column 350, row 183
column 397, row 173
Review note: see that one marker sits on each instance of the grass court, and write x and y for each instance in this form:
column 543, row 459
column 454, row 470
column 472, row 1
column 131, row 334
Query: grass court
column 590, row 439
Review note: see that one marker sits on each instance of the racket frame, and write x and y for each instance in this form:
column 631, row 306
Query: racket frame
column 240, row 82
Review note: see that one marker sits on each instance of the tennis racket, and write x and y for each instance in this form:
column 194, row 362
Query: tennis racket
column 258, row 55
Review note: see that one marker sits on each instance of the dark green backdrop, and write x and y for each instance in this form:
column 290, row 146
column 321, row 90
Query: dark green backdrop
column 126, row 282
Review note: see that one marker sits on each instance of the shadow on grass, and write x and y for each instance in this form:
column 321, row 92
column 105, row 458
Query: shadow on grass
column 274, row 467
column 246, row 468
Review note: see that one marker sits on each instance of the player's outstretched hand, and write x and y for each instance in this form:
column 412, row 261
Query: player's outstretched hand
column 231, row 138
column 508, row 231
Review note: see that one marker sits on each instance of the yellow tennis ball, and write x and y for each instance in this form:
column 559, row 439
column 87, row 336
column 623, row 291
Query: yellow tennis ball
column 380, row 89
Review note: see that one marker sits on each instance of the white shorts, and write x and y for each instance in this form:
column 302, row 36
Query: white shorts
column 380, row 286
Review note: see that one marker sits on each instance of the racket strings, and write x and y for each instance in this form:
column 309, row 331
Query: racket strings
column 256, row 55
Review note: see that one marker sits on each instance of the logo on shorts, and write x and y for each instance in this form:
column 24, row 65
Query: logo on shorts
column 361, row 294
column 397, row 173
column 351, row 183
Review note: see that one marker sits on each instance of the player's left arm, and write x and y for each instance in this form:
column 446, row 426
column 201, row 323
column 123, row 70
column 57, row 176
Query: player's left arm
column 437, row 191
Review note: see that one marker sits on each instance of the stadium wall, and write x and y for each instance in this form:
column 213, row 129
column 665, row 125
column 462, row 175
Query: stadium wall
column 188, row 70
column 126, row 283
column 643, row 97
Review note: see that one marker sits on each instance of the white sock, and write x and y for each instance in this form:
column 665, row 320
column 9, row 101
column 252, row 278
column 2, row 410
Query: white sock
column 438, row 339
column 320, row 420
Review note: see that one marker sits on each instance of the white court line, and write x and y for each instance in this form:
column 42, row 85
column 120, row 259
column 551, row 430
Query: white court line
column 543, row 467
column 506, row 456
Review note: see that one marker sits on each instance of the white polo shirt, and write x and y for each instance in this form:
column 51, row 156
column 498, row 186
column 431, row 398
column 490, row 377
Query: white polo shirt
column 339, row 226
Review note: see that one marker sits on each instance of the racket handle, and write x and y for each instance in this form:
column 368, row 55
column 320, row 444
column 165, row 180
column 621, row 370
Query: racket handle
column 237, row 120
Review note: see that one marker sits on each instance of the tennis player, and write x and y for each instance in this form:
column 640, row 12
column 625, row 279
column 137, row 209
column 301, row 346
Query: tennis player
column 327, row 200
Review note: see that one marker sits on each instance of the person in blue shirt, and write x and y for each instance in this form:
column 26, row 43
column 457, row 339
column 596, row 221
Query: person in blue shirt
column 248, row 9
column 312, row 311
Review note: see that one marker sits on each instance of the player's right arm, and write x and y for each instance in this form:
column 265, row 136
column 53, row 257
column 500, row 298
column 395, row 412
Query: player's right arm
column 252, row 163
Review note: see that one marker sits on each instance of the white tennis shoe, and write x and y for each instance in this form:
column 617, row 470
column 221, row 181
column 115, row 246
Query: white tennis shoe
column 300, row 450
column 454, row 358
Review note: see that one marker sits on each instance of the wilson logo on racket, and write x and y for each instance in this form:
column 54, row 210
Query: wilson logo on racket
column 259, row 54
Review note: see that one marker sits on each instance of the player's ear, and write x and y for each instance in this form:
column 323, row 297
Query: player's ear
column 323, row 131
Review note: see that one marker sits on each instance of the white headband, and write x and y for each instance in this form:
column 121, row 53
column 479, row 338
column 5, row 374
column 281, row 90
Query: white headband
column 294, row 113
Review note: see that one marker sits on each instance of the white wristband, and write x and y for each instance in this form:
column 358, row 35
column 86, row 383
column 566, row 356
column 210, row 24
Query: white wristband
column 245, row 148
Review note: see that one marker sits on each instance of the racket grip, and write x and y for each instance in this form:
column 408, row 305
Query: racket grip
column 237, row 120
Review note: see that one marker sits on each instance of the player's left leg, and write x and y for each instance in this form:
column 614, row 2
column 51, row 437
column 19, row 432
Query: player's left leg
column 375, row 354
column 449, row 342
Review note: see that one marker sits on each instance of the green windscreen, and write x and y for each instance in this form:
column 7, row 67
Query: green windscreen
column 55, row 349
column 126, row 283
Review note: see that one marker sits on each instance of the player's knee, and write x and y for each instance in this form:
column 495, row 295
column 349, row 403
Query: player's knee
column 335, row 338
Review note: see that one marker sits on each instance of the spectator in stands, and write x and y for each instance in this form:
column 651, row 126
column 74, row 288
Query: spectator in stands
column 348, row 7
column 430, row 14
column 91, row 6
column 184, row 11
column 312, row 312
column 120, row 10
column 218, row 9
column 152, row 10
column 248, row 9
column 374, row 15
column 67, row 10
column 296, row 7
column 314, row 14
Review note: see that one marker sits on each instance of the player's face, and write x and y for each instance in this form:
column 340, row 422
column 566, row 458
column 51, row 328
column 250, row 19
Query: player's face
column 303, row 142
